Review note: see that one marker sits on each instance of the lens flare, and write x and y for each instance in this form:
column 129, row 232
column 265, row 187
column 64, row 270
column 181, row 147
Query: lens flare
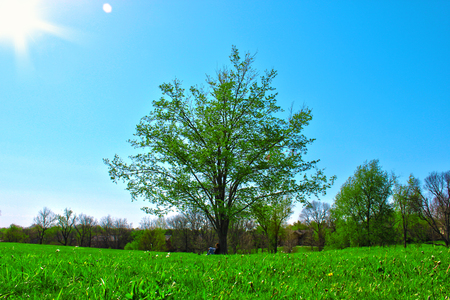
column 20, row 21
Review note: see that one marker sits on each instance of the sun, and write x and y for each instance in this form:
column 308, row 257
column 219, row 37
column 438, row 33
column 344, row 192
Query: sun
column 20, row 21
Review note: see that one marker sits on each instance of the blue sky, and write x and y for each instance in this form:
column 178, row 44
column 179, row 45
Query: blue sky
column 375, row 73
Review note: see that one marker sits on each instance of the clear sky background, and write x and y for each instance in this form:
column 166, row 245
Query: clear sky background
column 375, row 73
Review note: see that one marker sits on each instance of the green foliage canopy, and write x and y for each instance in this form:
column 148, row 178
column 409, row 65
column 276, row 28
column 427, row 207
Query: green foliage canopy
column 220, row 149
column 15, row 234
column 148, row 239
column 361, row 210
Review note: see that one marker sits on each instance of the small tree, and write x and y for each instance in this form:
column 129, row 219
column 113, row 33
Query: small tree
column 271, row 218
column 198, row 226
column 406, row 198
column 316, row 215
column 435, row 207
column 181, row 234
column 153, row 240
column 190, row 231
column 239, row 237
column 290, row 240
column 43, row 221
column 122, row 233
column 107, row 232
column 84, row 227
column 150, row 236
column 65, row 223
column 151, row 223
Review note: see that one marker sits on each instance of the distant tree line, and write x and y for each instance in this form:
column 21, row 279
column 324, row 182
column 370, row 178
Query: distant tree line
column 189, row 231
column 372, row 208
column 69, row 229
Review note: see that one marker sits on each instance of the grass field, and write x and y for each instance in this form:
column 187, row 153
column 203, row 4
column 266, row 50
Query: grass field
column 50, row 272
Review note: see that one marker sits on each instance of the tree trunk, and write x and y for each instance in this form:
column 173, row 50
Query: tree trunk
column 447, row 230
column 275, row 244
column 320, row 237
column 404, row 232
column 41, row 236
column 186, row 239
column 222, row 232
column 90, row 239
column 368, row 229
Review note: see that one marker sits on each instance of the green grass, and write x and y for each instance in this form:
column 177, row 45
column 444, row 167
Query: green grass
column 42, row 272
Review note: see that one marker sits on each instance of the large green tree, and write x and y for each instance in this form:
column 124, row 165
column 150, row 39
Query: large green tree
column 220, row 149
column 362, row 209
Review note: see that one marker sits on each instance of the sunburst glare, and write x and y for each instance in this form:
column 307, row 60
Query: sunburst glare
column 20, row 21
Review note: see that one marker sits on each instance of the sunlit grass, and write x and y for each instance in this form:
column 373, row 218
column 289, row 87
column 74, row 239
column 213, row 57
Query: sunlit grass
column 43, row 272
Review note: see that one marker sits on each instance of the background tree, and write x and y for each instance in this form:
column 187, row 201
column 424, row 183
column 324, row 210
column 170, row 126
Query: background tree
column 316, row 215
column 152, row 240
column 260, row 240
column 199, row 228
column 219, row 149
column 290, row 240
column 52, row 236
column 43, row 221
column 84, row 227
column 150, row 237
column 361, row 208
column 65, row 223
column 97, row 235
column 14, row 234
column 239, row 237
column 181, row 234
column 247, row 241
column 150, row 223
column 121, row 233
column 405, row 199
column 272, row 216
column 190, row 232
column 107, row 233
column 2, row 233
column 435, row 207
